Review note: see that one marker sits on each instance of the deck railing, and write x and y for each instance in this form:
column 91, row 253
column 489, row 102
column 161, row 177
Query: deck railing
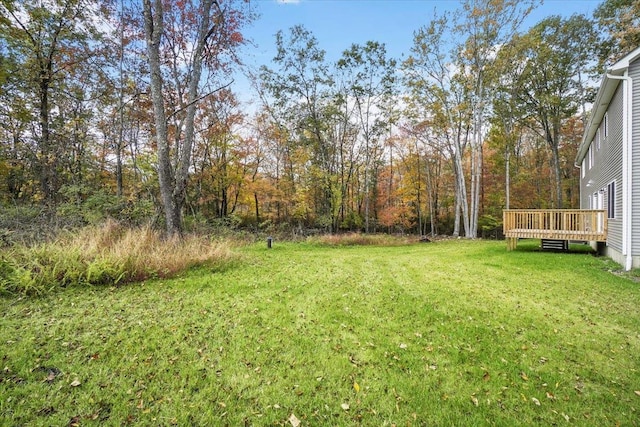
column 556, row 224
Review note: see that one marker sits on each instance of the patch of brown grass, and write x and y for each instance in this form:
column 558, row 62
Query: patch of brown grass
column 110, row 254
column 145, row 252
column 359, row 239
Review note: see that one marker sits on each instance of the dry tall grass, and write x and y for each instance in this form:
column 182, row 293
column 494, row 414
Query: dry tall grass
column 109, row 254
column 145, row 252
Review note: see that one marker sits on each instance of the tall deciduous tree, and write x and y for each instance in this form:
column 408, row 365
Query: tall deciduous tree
column 218, row 159
column 486, row 25
column 50, row 40
column 369, row 78
column 450, row 80
column 182, row 39
column 127, row 80
column 437, row 105
column 621, row 20
column 553, row 57
column 300, row 100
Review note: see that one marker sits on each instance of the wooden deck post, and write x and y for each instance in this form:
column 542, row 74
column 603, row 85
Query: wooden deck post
column 512, row 242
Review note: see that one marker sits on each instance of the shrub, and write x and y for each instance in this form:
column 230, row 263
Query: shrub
column 489, row 226
column 22, row 224
column 85, row 206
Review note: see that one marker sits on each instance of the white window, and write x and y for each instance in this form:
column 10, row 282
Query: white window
column 582, row 168
column 590, row 156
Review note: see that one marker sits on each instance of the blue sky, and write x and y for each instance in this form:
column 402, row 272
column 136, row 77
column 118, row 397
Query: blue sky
column 339, row 23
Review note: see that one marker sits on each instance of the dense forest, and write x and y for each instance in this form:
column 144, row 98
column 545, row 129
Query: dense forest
column 114, row 109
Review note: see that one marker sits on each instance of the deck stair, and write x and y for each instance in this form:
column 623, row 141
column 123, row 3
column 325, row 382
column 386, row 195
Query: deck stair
column 555, row 245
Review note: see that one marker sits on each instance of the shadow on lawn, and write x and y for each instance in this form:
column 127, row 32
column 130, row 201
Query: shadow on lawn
column 535, row 245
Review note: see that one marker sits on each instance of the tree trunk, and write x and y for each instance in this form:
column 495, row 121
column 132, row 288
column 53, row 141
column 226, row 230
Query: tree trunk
column 48, row 154
column 507, row 177
column 255, row 199
column 461, row 194
column 153, row 25
column 173, row 182
column 119, row 144
column 431, row 199
column 552, row 136
column 366, row 188
column 184, row 157
column 476, row 153
column 476, row 184
column 418, row 194
column 558, row 175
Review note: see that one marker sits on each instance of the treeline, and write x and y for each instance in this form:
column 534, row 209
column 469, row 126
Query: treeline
column 124, row 110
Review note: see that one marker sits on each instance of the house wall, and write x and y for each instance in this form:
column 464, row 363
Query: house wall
column 613, row 249
column 606, row 167
column 634, row 73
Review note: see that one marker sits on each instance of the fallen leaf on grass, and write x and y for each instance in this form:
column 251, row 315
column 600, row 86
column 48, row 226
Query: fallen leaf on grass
column 403, row 345
column 356, row 387
column 524, row 376
column 474, row 400
column 52, row 372
column 637, row 392
column 536, row 401
column 345, row 406
column 75, row 383
column 295, row 422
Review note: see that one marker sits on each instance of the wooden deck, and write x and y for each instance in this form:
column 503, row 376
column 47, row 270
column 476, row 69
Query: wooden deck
column 554, row 224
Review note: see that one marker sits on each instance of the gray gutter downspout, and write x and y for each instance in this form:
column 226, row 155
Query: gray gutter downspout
column 627, row 170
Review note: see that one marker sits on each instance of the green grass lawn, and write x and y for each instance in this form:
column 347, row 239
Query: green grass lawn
column 449, row 333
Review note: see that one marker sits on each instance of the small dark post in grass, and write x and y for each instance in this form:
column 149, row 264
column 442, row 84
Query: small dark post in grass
column 269, row 242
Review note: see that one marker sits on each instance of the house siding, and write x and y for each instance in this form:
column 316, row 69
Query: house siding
column 606, row 157
column 613, row 166
column 607, row 167
column 634, row 73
